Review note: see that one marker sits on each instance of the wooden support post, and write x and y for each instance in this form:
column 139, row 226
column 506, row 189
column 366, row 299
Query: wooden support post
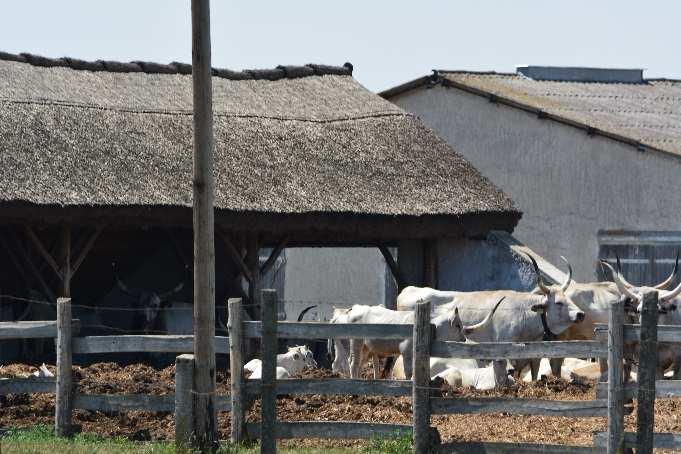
column 430, row 263
column 647, row 369
column 64, row 397
column 394, row 268
column 236, row 255
column 205, row 416
column 615, row 389
column 82, row 254
column 236, row 369
column 66, row 262
column 184, row 402
column 268, row 414
column 421, row 378
column 276, row 252
column 253, row 263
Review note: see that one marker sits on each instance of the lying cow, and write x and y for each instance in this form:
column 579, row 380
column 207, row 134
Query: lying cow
column 526, row 316
column 448, row 327
column 292, row 362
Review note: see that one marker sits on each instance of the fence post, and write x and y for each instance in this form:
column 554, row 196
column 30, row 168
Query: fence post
column 268, row 407
column 615, row 391
column 421, row 378
column 236, row 368
column 64, row 391
column 184, row 407
column 647, row 368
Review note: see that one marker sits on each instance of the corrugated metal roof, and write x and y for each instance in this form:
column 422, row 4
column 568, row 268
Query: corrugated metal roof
column 649, row 113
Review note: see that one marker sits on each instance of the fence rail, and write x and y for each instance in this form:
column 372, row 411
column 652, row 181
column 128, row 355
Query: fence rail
column 29, row 385
column 528, row 350
column 330, row 429
column 335, row 386
column 32, row 329
column 143, row 343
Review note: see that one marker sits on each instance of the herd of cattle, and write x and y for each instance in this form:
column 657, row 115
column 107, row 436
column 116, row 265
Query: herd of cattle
column 550, row 312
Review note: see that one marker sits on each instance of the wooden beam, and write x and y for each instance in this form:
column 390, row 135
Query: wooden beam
column 274, row 255
column 33, row 329
column 394, row 268
column 41, row 248
column 143, row 343
column 33, row 269
column 86, row 249
column 29, row 385
column 430, row 263
column 205, row 416
column 324, row 330
column 253, row 264
column 539, row 407
column 66, row 262
column 331, row 429
column 236, row 256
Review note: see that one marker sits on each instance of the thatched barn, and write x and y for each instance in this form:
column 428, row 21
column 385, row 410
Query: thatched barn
column 96, row 162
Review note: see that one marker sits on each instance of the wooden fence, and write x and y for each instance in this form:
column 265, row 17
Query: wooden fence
column 65, row 330
column 610, row 397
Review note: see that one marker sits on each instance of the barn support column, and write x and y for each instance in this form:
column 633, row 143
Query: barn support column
column 395, row 271
column 253, row 265
column 410, row 260
column 430, row 260
column 66, row 262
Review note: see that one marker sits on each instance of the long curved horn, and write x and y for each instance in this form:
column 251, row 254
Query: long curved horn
column 177, row 289
column 477, row 326
column 621, row 286
column 667, row 282
column 124, row 288
column 566, row 284
column 305, row 311
column 666, row 296
column 619, row 271
column 540, row 280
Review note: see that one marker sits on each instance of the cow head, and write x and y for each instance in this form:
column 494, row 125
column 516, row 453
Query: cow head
column 666, row 298
column 303, row 354
column 149, row 301
column 559, row 309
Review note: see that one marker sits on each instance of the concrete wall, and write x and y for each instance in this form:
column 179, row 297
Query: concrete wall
column 342, row 276
column 567, row 184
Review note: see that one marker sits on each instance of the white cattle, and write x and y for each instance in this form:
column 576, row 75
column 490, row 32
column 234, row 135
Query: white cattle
column 256, row 371
column 293, row 361
column 448, row 327
column 437, row 365
column 669, row 355
column 520, row 320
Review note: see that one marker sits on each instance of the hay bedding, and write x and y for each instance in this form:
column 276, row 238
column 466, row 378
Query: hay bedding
column 109, row 378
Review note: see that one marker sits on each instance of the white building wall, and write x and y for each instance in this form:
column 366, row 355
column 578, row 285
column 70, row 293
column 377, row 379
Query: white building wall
column 567, row 184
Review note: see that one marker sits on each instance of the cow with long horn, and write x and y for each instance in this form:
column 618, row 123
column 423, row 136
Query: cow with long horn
column 149, row 302
column 525, row 316
column 669, row 355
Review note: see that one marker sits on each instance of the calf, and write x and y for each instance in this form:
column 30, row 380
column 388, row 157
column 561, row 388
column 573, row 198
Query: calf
column 293, row 361
column 448, row 327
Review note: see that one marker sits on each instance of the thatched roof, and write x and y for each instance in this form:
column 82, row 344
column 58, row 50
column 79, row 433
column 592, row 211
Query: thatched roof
column 290, row 141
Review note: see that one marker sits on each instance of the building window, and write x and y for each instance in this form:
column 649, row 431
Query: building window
column 647, row 257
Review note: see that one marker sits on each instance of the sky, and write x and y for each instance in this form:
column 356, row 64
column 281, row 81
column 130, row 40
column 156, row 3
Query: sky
column 388, row 42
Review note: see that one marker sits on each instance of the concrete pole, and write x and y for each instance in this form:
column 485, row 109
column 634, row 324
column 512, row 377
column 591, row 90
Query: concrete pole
column 205, row 420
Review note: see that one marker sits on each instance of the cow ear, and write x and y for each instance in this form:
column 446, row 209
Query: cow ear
column 296, row 356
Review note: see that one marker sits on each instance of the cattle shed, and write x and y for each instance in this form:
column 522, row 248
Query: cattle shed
column 97, row 168
column 592, row 156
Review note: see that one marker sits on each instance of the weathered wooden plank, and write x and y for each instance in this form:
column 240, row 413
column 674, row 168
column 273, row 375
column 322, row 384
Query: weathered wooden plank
column 331, row 429
column 664, row 389
column 336, row 386
column 632, row 333
column 510, row 350
column 33, row 329
column 184, row 402
column 27, row 385
column 647, row 370
column 321, row 330
column 268, row 399
column 573, row 408
column 660, row 440
column 63, row 389
column 236, row 369
column 137, row 402
column 143, row 343
column 615, row 443
column 510, row 448
column 421, row 377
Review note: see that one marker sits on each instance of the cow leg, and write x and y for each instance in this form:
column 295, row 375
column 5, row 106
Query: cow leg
column 355, row 357
column 500, row 374
column 603, row 363
column 556, row 366
column 407, row 363
column 534, row 368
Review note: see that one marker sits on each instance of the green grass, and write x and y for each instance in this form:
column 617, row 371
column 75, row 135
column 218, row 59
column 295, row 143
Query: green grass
column 41, row 440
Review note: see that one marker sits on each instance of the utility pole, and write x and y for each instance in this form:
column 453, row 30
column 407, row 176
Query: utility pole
column 205, row 421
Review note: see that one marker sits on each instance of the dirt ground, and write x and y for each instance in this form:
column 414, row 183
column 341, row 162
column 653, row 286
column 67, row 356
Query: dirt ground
column 109, row 378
